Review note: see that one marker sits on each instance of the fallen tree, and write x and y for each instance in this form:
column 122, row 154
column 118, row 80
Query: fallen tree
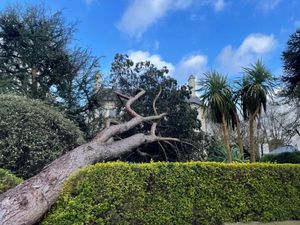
column 29, row 201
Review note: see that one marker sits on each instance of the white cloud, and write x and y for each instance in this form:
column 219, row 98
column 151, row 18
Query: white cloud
column 193, row 64
column 89, row 2
column 254, row 47
column 141, row 14
column 219, row 5
column 267, row 5
column 155, row 59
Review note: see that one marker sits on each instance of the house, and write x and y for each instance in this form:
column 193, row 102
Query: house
column 195, row 102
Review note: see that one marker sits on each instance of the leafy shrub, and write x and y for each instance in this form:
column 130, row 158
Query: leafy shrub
column 218, row 153
column 8, row 180
column 268, row 158
column 178, row 193
column 32, row 135
column 285, row 157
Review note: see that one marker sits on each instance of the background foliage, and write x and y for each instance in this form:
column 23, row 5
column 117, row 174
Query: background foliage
column 291, row 66
column 8, row 180
column 218, row 153
column 32, row 135
column 285, row 157
column 181, row 120
column 179, row 193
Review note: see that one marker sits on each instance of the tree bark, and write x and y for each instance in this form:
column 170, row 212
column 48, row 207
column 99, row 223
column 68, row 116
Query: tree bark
column 251, row 134
column 226, row 139
column 28, row 202
column 240, row 139
column 251, row 139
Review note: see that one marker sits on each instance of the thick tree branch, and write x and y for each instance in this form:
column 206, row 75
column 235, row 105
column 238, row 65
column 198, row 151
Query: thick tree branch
column 119, row 94
column 154, row 125
column 131, row 100
column 111, row 131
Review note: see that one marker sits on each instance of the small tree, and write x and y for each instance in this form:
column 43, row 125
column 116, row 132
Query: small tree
column 256, row 85
column 216, row 96
column 280, row 124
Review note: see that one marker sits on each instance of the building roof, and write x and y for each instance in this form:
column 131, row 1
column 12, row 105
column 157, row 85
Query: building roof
column 194, row 100
column 287, row 148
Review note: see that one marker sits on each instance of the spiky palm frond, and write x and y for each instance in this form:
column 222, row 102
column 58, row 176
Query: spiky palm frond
column 256, row 86
column 216, row 97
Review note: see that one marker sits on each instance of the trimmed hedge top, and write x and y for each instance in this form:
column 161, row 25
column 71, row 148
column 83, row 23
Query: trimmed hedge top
column 178, row 193
column 8, row 180
column 33, row 134
column 284, row 157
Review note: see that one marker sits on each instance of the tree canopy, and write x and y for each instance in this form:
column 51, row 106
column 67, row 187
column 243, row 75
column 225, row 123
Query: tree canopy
column 291, row 66
column 181, row 120
column 39, row 59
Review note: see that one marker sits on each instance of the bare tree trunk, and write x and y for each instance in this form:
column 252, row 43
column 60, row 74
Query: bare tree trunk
column 251, row 134
column 29, row 201
column 226, row 139
column 257, row 140
column 251, row 139
column 240, row 139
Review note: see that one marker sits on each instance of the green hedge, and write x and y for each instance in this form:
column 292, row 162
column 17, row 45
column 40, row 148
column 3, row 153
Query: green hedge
column 285, row 157
column 32, row 135
column 178, row 193
column 8, row 180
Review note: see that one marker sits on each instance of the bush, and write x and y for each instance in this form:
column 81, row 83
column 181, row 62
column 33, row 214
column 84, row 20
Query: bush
column 285, row 157
column 8, row 180
column 218, row 153
column 178, row 193
column 32, row 135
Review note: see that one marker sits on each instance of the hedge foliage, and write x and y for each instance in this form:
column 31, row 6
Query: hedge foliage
column 178, row 193
column 32, row 135
column 8, row 180
column 285, row 157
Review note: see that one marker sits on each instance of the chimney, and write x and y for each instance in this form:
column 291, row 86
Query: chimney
column 192, row 84
column 98, row 81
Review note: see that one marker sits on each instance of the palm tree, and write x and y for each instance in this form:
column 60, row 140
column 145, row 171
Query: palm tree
column 216, row 97
column 237, row 122
column 256, row 85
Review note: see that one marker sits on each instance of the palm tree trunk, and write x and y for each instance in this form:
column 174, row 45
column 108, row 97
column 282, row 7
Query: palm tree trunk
column 226, row 139
column 251, row 139
column 240, row 139
column 251, row 134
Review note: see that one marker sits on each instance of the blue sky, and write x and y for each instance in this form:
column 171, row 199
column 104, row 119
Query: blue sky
column 188, row 36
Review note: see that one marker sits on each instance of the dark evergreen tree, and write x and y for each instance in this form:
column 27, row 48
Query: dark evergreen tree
column 181, row 120
column 291, row 65
column 38, row 59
